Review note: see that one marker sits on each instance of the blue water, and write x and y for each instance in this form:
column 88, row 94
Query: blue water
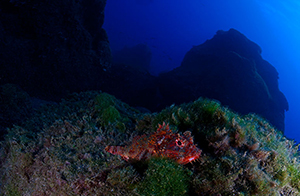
column 171, row 27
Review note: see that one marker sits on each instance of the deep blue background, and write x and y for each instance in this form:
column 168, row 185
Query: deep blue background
column 172, row 27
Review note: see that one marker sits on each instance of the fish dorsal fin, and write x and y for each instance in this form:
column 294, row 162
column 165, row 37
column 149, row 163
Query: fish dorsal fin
column 163, row 127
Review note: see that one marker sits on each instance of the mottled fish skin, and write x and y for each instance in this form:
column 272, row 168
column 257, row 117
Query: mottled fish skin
column 138, row 149
column 163, row 143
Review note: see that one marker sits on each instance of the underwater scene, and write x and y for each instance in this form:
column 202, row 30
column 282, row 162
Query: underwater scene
column 149, row 98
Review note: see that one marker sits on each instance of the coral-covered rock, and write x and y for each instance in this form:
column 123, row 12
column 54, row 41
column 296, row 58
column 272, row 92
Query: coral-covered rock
column 228, row 68
column 52, row 47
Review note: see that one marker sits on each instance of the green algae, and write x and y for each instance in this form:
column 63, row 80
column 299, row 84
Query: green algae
column 104, row 100
column 110, row 115
column 13, row 191
column 164, row 177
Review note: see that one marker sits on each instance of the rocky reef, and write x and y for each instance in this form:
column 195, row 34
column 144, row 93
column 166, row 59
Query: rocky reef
column 230, row 69
column 60, row 150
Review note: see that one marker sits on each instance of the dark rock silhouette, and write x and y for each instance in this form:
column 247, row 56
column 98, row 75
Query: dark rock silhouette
column 138, row 56
column 15, row 106
column 133, row 86
column 51, row 48
column 228, row 68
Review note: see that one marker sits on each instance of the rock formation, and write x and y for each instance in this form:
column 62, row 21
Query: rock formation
column 228, row 68
column 51, row 48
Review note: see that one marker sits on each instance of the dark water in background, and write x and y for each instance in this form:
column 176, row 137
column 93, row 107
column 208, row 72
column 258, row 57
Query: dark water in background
column 171, row 27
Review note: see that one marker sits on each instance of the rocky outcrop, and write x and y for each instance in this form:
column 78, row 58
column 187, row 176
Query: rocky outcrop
column 62, row 150
column 228, row 68
column 52, row 47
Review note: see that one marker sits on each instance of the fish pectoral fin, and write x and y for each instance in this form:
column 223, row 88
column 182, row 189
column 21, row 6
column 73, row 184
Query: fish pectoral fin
column 126, row 158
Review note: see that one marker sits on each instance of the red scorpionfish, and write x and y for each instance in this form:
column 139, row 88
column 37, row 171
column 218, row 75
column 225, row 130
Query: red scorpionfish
column 163, row 143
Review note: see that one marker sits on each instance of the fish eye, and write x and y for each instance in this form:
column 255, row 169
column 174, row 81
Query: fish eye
column 179, row 143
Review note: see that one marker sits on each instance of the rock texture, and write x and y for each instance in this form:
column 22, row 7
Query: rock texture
column 228, row 68
column 52, row 47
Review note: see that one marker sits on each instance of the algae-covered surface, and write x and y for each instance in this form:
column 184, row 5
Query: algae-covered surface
column 60, row 151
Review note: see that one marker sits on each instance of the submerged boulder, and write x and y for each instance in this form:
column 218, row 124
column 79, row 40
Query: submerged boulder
column 228, row 68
